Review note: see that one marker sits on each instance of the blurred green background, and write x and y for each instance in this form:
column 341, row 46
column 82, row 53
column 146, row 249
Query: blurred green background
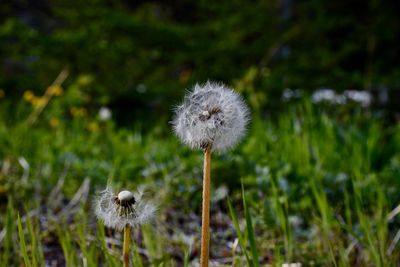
column 139, row 56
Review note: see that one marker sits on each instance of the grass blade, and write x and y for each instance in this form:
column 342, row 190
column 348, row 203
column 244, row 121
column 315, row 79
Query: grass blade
column 5, row 258
column 238, row 232
column 22, row 244
column 250, row 231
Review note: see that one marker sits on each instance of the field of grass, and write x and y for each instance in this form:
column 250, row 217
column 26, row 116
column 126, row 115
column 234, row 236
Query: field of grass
column 317, row 185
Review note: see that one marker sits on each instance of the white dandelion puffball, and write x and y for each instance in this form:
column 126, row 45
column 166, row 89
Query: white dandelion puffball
column 118, row 210
column 105, row 114
column 211, row 114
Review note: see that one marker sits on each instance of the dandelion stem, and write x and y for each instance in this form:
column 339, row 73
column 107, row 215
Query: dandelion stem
column 205, row 221
column 127, row 240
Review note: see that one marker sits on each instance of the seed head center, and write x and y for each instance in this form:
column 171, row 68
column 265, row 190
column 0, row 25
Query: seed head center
column 207, row 114
column 125, row 199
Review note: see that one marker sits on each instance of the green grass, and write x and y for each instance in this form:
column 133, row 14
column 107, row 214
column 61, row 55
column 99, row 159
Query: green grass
column 318, row 185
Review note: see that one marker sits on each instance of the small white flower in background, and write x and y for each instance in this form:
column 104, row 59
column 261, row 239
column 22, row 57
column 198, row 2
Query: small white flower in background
column 289, row 94
column 211, row 114
column 324, row 94
column 295, row 264
column 24, row 164
column 105, row 114
column 123, row 208
column 141, row 88
column 362, row 97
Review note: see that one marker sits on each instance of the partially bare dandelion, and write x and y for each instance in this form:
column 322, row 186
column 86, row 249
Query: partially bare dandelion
column 211, row 114
column 123, row 211
column 124, row 208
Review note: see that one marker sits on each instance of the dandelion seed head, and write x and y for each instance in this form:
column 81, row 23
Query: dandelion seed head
column 125, row 208
column 211, row 114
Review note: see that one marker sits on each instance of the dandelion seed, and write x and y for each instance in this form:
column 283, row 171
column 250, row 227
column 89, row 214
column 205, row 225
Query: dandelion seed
column 211, row 114
column 124, row 208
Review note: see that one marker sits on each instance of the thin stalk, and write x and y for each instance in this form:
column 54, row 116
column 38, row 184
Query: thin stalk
column 205, row 218
column 127, row 241
column 47, row 97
